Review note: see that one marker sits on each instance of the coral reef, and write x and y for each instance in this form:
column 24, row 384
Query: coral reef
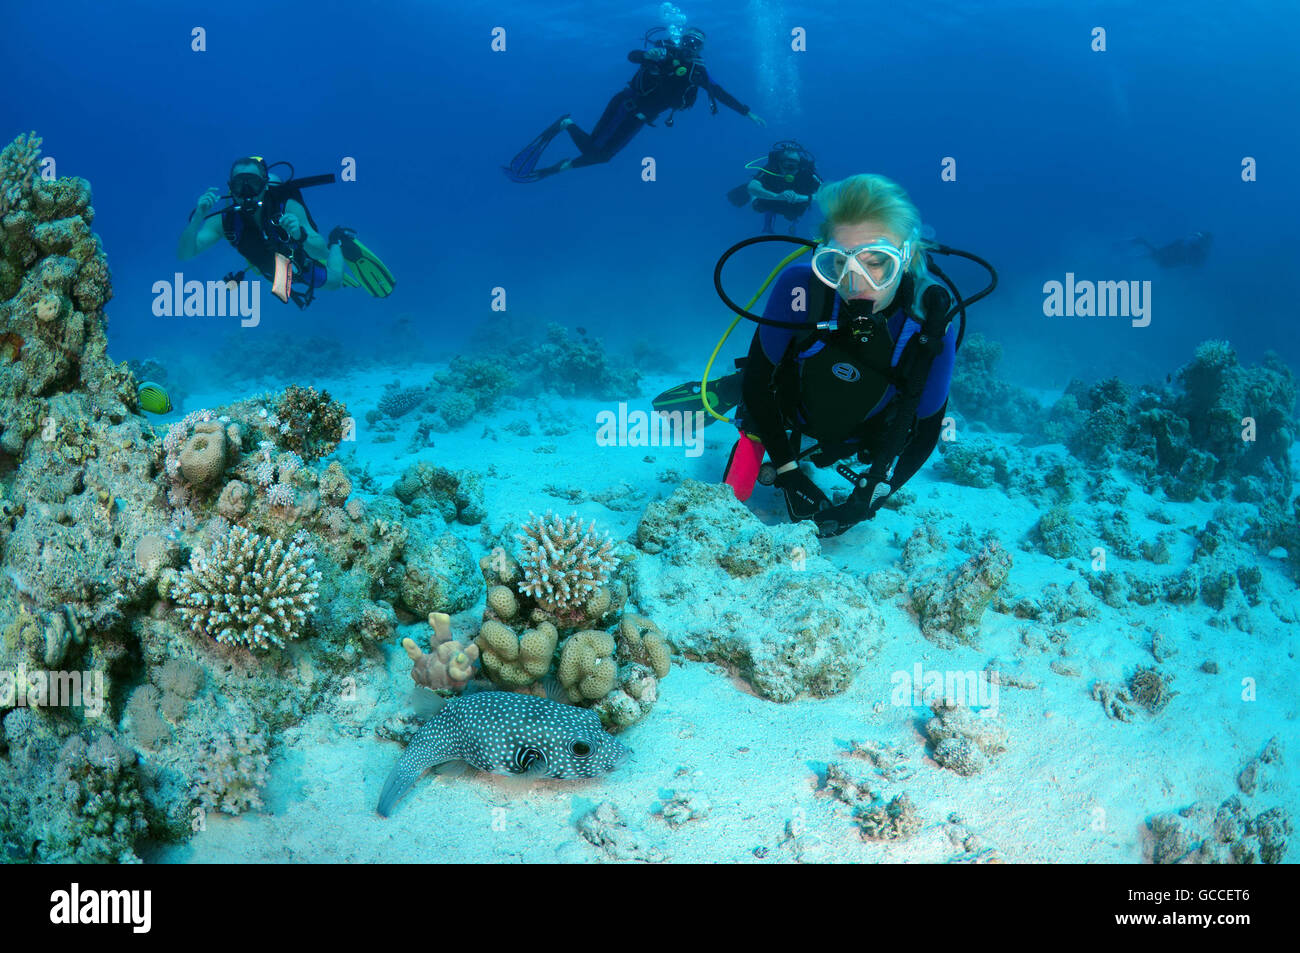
column 248, row 590
column 950, row 607
column 1223, row 429
column 1231, row 832
column 982, row 393
column 759, row 600
column 964, row 741
column 232, row 772
column 563, row 564
column 577, row 366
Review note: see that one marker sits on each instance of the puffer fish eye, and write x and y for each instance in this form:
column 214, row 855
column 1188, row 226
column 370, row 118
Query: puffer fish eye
column 580, row 749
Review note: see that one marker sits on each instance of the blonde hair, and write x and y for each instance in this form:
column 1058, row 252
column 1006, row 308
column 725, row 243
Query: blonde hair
column 862, row 198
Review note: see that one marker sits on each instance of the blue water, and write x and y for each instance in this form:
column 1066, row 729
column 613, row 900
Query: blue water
column 1061, row 151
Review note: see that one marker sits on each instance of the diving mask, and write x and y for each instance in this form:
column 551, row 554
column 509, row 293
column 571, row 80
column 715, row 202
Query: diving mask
column 692, row 40
column 879, row 263
column 246, row 190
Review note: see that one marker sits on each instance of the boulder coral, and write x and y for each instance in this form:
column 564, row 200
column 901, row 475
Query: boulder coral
column 588, row 669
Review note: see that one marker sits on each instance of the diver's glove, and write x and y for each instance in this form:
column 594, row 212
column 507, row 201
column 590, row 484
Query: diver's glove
column 862, row 504
column 803, row 500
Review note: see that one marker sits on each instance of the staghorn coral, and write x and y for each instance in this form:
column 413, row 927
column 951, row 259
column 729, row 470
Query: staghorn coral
column 562, row 564
column 248, row 590
column 231, row 771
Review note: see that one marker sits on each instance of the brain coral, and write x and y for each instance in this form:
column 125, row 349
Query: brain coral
column 247, row 590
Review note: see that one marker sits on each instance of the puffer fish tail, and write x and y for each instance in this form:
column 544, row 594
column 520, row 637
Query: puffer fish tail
column 420, row 755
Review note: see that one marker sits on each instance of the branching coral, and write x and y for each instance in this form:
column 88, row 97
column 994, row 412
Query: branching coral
column 247, row 590
column 562, row 563
column 231, row 772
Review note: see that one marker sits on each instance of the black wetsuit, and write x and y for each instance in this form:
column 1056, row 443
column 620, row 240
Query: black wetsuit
column 655, row 87
column 1186, row 251
column 806, row 182
column 776, row 387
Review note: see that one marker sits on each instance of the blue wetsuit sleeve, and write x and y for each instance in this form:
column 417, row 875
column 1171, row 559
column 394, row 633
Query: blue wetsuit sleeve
column 762, row 409
column 781, row 307
column 935, row 395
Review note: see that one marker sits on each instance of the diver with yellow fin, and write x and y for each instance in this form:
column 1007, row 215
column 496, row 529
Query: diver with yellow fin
column 268, row 223
column 855, row 350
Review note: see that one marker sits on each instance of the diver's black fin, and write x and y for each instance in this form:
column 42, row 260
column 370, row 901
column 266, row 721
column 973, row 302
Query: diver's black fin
column 523, row 167
column 739, row 196
column 724, row 394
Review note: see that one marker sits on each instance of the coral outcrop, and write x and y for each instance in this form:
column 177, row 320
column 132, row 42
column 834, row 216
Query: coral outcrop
column 964, row 740
column 759, row 600
column 950, row 607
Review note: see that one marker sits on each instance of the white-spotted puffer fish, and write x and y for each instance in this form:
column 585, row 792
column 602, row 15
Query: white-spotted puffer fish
column 507, row 733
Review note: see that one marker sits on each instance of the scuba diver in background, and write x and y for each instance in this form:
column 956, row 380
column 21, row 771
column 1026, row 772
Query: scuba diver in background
column 268, row 223
column 1192, row 250
column 783, row 184
column 863, row 368
column 670, row 76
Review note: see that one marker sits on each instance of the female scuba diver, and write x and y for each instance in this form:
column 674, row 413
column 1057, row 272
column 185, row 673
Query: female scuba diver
column 854, row 349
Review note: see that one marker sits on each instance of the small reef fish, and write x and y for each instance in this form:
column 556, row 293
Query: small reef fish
column 507, row 733
column 153, row 398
